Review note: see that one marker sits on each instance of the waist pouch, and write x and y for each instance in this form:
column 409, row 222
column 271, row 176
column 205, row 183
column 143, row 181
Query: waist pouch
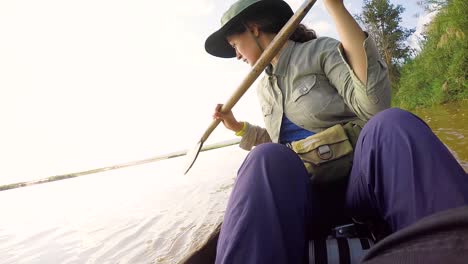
column 328, row 155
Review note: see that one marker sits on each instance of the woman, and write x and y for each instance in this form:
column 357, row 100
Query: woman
column 312, row 85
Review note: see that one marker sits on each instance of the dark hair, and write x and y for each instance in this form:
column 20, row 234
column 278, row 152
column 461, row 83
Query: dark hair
column 303, row 34
column 269, row 22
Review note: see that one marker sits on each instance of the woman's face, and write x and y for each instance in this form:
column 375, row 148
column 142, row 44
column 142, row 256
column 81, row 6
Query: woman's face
column 245, row 46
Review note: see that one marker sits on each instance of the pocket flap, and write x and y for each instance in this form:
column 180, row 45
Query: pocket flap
column 305, row 86
column 332, row 135
column 328, row 145
column 267, row 109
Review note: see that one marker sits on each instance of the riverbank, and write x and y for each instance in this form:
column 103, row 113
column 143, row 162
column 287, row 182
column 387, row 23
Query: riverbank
column 437, row 74
column 114, row 167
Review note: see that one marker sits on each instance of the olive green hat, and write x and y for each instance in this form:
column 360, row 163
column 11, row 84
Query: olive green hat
column 217, row 45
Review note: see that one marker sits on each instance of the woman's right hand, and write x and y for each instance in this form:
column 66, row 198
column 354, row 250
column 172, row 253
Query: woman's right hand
column 228, row 119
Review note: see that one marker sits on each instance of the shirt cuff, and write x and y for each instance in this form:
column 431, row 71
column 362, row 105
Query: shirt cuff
column 241, row 132
column 372, row 57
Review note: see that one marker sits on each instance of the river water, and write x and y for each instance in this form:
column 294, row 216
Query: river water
column 149, row 213
column 450, row 123
column 144, row 214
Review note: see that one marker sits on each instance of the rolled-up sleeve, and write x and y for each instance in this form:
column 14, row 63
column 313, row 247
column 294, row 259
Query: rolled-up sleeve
column 254, row 135
column 364, row 99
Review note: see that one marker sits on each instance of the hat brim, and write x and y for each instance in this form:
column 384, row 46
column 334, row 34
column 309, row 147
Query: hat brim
column 217, row 45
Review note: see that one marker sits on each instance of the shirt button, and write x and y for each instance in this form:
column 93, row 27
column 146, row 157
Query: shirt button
column 374, row 99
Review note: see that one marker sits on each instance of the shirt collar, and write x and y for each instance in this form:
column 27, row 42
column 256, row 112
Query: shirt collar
column 283, row 61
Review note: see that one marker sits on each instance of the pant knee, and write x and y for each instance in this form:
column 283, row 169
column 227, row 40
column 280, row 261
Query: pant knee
column 272, row 163
column 396, row 122
column 392, row 116
column 274, row 154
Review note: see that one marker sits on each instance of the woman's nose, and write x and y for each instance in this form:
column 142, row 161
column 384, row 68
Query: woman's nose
column 238, row 55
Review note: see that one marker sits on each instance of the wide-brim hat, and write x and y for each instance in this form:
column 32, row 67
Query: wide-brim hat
column 217, row 45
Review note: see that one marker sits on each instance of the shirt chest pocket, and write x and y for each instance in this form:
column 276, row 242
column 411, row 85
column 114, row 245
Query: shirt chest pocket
column 303, row 86
column 267, row 110
column 311, row 95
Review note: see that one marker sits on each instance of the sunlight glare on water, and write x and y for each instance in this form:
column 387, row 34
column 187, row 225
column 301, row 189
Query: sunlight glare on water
column 148, row 213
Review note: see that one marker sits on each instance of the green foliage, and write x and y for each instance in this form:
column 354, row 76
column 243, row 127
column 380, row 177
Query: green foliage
column 382, row 20
column 433, row 5
column 438, row 74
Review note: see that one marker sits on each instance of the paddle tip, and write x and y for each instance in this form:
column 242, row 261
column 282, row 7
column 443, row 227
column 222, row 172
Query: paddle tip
column 192, row 156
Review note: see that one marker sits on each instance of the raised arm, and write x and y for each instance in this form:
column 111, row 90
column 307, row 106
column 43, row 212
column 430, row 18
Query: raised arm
column 351, row 36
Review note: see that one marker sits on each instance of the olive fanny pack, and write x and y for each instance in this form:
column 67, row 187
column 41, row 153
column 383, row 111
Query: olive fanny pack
column 328, row 155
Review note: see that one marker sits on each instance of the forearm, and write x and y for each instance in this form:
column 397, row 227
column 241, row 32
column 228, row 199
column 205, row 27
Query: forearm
column 352, row 38
column 254, row 135
column 238, row 127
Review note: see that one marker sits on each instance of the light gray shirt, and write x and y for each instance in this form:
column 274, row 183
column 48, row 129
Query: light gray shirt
column 315, row 87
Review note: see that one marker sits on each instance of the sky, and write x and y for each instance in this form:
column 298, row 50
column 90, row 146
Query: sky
column 86, row 84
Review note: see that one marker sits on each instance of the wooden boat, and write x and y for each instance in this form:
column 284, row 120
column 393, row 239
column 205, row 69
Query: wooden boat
column 333, row 250
column 206, row 253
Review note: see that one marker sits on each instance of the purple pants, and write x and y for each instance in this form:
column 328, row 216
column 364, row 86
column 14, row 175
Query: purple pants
column 401, row 173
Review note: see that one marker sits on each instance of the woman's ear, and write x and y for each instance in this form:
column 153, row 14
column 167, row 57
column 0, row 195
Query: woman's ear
column 254, row 28
column 256, row 31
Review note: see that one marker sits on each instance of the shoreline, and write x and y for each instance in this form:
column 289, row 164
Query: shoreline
column 114, row 167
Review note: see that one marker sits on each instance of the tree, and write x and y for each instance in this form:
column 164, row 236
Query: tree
column 381, row 19
column 433, row 5
column 429, row 7
column 438, row 74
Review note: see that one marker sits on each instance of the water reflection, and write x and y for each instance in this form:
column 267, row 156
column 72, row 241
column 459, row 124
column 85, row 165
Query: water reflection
column 450, row 123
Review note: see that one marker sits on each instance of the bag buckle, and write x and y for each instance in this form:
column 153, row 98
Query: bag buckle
column 325, row 152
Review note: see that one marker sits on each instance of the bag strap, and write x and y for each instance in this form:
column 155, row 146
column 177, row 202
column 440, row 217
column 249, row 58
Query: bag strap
column 353, row 129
